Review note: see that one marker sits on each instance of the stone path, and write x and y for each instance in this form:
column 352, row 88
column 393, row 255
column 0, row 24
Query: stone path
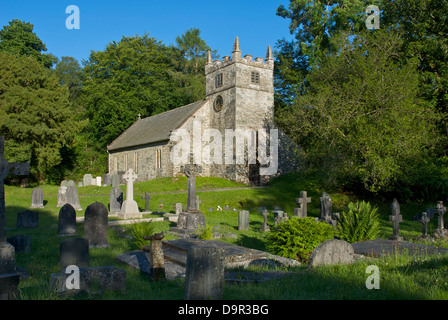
column 381, row 247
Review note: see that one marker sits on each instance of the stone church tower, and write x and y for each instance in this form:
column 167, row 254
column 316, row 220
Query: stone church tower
column 239, row 96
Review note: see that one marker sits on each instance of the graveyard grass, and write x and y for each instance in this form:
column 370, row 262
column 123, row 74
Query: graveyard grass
column 401, row 276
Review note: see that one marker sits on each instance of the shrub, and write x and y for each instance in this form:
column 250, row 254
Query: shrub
column 139, row 230
column 205, row 233
column 296, row 238
column 361, row 222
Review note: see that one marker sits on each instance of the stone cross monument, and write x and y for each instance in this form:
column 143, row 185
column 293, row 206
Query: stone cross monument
column 191, row 171
column 440, row 232
column 396, row 218
column 129, row 209
column 302, row 201
column 192, row 219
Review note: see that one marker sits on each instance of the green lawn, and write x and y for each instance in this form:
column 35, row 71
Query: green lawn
column 401, row 277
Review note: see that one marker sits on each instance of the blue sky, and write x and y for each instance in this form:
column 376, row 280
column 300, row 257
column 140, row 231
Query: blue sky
column 253, row 21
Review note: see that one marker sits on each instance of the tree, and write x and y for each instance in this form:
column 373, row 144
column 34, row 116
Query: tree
column 69, row 72
column 134, row 76
column 192, row 64
column 35, row 113
column 362, row 120
column 19, row 39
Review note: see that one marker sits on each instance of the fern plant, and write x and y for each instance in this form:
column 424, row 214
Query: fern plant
column 296, row 238
column 361, row 222
column 140, row 230
column 205, row 233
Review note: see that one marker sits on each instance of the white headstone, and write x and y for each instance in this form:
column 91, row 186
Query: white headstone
column 129, row 209
column 98, row 181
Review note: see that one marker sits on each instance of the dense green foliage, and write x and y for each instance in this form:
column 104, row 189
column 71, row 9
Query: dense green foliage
column 368, row 107
column 296, row 238
column 35, row 114
column 360, row 223
column 141, row 230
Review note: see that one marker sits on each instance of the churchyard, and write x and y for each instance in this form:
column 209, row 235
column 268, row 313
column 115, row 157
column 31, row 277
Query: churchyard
column 404, row 274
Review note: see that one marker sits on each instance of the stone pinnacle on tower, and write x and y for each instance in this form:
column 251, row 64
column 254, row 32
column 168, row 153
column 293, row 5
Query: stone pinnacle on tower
column 269, row 56
column 209, row 57
column 236, row 53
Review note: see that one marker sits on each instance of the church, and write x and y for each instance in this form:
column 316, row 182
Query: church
column 239, row 106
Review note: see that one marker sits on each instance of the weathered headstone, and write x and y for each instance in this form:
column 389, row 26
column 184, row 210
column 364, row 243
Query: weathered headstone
column 440, row 232
column 396, row 218
column 326, row 210
column 87, row 180
column 424, row 220
column 28, row 219
column 9, row 279
column 92, row 280
column 146, row 198
column 98, row 182
column 67, row 220
column 21, row 243
column 74, row 251
column 302, row 202
column 156, row 257
column 129, row 209
column 265, row 226
column 178, row 207
column 279, row 217
column 71, row 183
column 62, row 196
column 37, row 198
column 243, row 220
column 332, row 252
column 116, row 200
column 107, row 180
column 95, row 225
column 116, row 180
column 73, row 198
column 64, row 183
column 204, row 277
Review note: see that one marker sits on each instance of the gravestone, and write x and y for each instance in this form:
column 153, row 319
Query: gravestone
column 107, row 180
column 95, row 225
column 62, row 196
column 21, row 243
column 93, row 182
column 92, row 280
column 243, row 220
column 67, row 220
column 146, row 198
column 178, row 207
column 279, row 217
column 204, row 277
column 72, row 198
column 191, row 220
column 87, row 180
column 156, row 257
column 265, row 226
column 74, row 251
column 116, row 200
column 302, row 202
column 424, row 220
column 332, row 252
column 79, row 184
column 37, row 198
column 396, row 218
column 116, row 180
column 440, row 232
column 64, row 183
column 129, row 209
column 98, row 182
column 9, row 278
column 71, row 183
column 28, row 219
column 326, row 209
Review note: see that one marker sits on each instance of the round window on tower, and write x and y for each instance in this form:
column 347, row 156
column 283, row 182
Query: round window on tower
column 218, row 103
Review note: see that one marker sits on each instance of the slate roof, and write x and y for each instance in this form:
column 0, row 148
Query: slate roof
column 155, row 128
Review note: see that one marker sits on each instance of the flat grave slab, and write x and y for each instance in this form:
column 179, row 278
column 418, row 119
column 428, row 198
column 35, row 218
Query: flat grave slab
column 382, row 247
column 176, row 251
